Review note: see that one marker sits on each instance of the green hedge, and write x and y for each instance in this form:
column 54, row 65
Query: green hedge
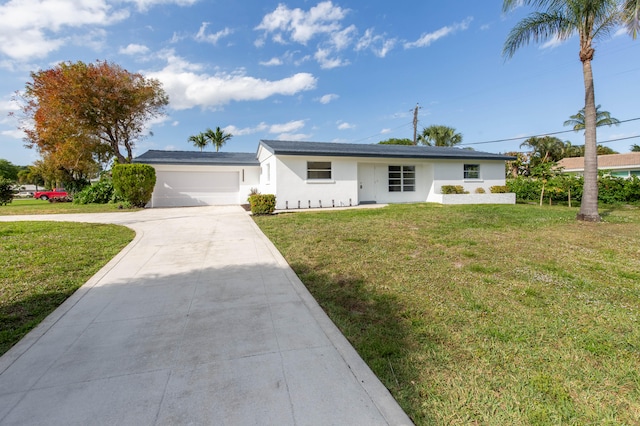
column 101, row 192
column 262, row 203
column 134, row 183
column 611, row 189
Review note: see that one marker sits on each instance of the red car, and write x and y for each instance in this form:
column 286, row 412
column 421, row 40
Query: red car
column 45, row 195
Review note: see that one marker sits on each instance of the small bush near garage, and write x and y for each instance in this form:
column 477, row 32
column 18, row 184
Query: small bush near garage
column 262, row 203
column 134, row 183
column 453, row 189
column 6, row 193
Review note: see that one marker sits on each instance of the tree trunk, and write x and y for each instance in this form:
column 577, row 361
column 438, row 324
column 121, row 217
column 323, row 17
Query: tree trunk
column 589, row 206
column 542, row 194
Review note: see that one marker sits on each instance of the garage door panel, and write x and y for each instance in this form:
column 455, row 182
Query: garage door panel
column 196, row 188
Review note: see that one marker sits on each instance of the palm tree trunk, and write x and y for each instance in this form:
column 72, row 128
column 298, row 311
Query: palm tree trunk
column 589, row 206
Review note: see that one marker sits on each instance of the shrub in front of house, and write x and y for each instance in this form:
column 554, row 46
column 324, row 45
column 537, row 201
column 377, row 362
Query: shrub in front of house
column 611, row 189
column 480, row 191
column 499, row 189
column 632, row 189
column 101, row 192
column 262, row 203
column 453, row 189
column 134, row 183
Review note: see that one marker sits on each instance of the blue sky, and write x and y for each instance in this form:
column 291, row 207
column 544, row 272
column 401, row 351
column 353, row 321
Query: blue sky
column 330, row 71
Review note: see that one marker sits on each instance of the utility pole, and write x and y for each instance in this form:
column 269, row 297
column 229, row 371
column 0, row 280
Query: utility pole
column 415, row 124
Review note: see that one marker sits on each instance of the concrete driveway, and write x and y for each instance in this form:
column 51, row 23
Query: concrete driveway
column 198, row 321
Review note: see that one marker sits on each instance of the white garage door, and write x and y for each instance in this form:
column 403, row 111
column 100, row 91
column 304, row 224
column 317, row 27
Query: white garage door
column 183, row 189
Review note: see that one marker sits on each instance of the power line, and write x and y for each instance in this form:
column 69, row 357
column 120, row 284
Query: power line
column 382, row 133
column 545, row 134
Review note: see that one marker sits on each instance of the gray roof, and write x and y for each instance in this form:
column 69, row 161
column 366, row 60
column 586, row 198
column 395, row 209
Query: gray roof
column 368, row 150
column 196, row 157
column 322, row 149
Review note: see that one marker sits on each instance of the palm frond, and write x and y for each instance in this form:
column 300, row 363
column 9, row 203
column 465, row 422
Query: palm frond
column 537, row 27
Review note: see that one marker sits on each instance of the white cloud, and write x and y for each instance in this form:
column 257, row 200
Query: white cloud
column 294, row 137
column 552, row 43
column 35, row 28
column 14, row 134
column 326, row 62
column 378, row 44
column 134, row 49
column 426, row 39
column 271, row 62
column 202, row 36
column 31, row 29
column 289, row 127
column 328, row 98
column 342, row 39
column 325, row 24
column 143, row 5
column 188, row 86
column 322, row 22
column 385, row 131
column 345, row 126
column 236, row 131
column 301, row 26
column 284, row 131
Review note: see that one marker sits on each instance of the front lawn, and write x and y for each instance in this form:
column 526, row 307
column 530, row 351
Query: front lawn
column 31, row 206
column 486, row 315
column 43, row 263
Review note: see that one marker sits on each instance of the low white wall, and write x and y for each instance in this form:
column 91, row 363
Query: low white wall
column 507, row 198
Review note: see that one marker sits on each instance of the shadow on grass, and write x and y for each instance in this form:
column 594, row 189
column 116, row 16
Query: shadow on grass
column 373, row 323
column 20, row 317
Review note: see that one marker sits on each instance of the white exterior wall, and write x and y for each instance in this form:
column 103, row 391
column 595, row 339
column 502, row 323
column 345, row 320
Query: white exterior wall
column 451, row 172
column 293, row 187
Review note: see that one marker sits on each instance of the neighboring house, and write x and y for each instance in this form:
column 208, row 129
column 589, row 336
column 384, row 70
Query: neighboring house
column 618, row 165
column 319, row 174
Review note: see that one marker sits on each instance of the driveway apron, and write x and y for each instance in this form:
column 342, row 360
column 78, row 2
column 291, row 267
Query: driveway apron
column 198, row 321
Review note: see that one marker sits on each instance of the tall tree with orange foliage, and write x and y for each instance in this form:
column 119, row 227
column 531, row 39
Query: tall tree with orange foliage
column 79, row 111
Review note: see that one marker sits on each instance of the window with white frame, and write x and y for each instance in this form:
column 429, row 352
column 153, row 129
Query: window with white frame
column 472, row 171
column 318, row 170
column 402, row 178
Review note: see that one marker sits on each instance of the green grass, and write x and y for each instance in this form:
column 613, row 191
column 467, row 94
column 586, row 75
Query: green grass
column 43, row 263
column 486, row 315
column 31, row 206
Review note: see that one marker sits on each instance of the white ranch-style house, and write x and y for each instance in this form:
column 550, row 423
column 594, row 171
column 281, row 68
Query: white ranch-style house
column 306, row 175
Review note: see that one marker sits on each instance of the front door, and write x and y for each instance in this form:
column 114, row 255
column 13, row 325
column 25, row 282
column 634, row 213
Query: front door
column 366, row 183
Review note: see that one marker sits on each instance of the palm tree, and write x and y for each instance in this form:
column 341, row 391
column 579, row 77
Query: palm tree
column 544, row 149
column 570, row 150
column 199, row 141
column 591, row 20
column 603, row 118
column 440, row 136
column 631, row 16
column 217, row 138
